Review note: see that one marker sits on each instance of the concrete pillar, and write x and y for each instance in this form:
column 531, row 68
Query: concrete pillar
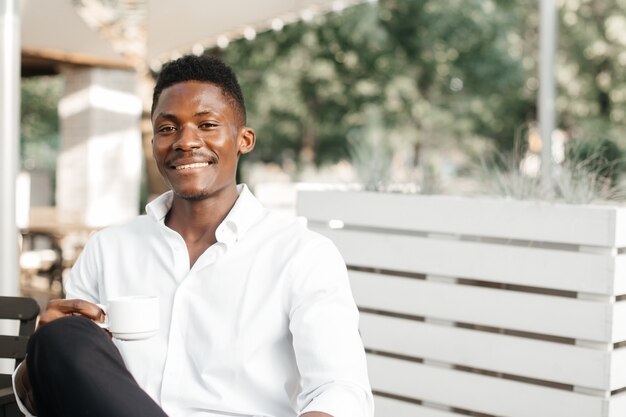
column 9, row 142
column 100, row 163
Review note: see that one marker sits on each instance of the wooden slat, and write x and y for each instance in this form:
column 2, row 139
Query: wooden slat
column 537, row 313
column 545, row 268
column 619, row 321
column 484, row 240
column 13, row 347
column 388, row 407
column 619, row 287
column 617, row 405
column 478, row 392
column 556, row 362
column 618, row 369
column 18, row 308
column 6, row 398
column 500, row 218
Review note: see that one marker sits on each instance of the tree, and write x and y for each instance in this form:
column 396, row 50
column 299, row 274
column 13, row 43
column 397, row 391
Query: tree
column 39, row 122
column 592, row 81
column 438, row 71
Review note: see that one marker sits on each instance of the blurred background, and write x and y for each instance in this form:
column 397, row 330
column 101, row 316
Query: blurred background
column 416, row 96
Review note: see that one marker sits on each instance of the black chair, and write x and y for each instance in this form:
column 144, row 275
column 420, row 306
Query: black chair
column 25, row 310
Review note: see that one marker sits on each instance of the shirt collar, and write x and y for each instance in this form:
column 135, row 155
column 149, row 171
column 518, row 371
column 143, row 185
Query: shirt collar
column 244, row 214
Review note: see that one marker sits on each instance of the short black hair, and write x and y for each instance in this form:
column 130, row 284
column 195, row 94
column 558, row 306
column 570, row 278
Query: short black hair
column 204, row 69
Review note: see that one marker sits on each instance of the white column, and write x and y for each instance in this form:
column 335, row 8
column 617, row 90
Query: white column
column 548, row 30
column 9, row 143
column 100, row 164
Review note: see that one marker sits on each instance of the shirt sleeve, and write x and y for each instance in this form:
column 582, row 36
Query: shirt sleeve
column 324, row 325
column 83, row 281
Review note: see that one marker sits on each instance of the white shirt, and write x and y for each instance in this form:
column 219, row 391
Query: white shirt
column 263, row 324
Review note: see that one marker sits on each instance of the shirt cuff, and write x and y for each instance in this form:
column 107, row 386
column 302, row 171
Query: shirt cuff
column 21, row 406
column 342, row 401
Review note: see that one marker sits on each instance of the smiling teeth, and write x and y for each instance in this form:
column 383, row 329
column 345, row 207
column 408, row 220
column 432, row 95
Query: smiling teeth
column 196, row 165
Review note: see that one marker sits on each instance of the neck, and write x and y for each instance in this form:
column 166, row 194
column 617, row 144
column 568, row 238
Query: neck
column 197, row 220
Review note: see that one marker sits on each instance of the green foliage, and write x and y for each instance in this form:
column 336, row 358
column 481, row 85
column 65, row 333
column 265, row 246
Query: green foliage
column 443, row 73
column 371, row 152
column 39, row 122
column 590, row 172
column 439, row 70
column 583, row 181
column 499, row 173
column 303, row 83
column 602, row 157
column 592, row 46
column 440, row 75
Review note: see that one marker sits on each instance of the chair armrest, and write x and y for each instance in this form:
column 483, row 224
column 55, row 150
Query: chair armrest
column 8, row 404
column 7, row 396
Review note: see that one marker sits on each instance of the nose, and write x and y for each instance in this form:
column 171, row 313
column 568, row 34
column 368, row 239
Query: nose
column 188, row 139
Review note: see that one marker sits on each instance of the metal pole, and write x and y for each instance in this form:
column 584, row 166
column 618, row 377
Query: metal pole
column 9, row 143
column 548, row 30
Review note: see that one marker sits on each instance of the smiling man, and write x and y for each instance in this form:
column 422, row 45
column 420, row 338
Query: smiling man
column 257, row 318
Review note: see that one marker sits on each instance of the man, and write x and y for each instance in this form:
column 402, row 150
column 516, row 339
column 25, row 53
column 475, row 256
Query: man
column 257, row 318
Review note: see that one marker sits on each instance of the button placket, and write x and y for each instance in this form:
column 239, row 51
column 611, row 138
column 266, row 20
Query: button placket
column 175, row 348
column 179, row 252
column 210, row 256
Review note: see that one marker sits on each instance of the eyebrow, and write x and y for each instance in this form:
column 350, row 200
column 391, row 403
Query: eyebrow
column 170, row 116
column 206, row 112
column 167, row 116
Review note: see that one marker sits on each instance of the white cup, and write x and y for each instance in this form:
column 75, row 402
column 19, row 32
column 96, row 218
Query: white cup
column 132, row 317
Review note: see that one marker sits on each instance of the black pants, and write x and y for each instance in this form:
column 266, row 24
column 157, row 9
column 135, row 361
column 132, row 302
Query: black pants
column 75, row 370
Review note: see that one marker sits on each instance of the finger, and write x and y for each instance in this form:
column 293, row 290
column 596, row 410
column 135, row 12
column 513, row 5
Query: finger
column 61, row 308
column 82, row 307
column 50, row 315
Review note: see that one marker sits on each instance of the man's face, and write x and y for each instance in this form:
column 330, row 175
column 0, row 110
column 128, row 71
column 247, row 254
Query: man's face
column 197, row 140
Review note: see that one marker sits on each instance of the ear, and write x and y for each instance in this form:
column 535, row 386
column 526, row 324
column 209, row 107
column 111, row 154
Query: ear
column 247, row 140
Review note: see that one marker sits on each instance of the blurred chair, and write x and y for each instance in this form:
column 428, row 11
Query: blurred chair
column 41, row 255
column 24, row 310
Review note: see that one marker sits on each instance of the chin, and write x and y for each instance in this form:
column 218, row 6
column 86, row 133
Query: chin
column 192, row 195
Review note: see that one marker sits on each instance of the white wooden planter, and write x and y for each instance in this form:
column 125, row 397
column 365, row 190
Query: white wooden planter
column 499, row 307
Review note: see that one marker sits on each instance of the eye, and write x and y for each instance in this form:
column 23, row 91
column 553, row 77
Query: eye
column 166, row 129
column 207, row 125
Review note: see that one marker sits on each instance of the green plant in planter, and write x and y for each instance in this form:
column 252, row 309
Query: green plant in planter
column 591, row 171
column 603, row 157
column 371, row 152
column 500, row 174
column 430, row 179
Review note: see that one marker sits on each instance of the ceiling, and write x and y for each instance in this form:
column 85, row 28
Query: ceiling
column 172, row 29
column 53, row 32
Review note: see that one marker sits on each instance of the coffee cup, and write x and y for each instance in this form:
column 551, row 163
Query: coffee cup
column 132, row 317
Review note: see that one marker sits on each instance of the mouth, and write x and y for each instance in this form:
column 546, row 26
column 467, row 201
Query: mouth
column 191, row 166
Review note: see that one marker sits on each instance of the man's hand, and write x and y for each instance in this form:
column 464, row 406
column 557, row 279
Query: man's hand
column 61, row 308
